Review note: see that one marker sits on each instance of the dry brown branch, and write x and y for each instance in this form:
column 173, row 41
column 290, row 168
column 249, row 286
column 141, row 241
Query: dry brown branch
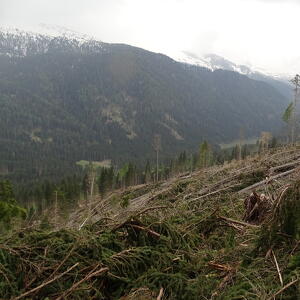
column 161, row 292
column 62, row 262
column 238, row 222
column 295, row 248
column 236, row 227
column 220, row 267
column 150, row 208
column 146, row 229
column 283, row 289
column 277, row 268
column 280, row 197
column 87, row 277
column 45, row 283
column 6, row 278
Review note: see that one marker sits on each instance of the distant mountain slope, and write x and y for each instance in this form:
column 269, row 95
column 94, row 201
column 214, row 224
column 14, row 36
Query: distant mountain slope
column 64, row 100
column 216, row 62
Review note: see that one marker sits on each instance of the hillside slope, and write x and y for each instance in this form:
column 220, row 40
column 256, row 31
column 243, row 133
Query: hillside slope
column 193, row 237
column 65, row 100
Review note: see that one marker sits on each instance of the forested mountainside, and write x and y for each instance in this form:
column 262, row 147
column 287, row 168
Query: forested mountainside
column 65, row 100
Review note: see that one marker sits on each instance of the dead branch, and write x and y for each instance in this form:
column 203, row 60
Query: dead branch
column 87, row 277
column 277, row 268
column 283, row 289
column 146, row 229
column 161, row 292
column 220, row 267
column 280, row 197
column 62, row 262
column 150, row 208
column 213, row 193
column 238, row 222
column 45, row 283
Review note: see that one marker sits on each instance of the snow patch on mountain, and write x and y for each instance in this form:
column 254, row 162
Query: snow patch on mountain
column 38, row 39
column 216, row 62
column 55, row 31
column 18, row 43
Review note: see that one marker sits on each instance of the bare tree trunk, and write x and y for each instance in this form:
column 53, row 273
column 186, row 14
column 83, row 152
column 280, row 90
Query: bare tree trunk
column 157, row 165
column 91, row 194
column 296, row 82
column 157, row 147
column 56, row 209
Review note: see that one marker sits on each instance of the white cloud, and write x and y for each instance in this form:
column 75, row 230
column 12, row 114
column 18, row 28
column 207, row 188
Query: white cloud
column 261, row 32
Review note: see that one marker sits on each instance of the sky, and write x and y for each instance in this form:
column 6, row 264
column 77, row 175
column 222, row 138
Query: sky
column 260, row 33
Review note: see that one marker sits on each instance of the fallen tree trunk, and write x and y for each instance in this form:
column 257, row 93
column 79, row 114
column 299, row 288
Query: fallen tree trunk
column 287, row 165
column 213, row 193
column 265, row 181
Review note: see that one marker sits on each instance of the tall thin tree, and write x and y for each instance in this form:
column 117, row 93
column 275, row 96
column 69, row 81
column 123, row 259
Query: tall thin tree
column 157, row 148
column 296, row 82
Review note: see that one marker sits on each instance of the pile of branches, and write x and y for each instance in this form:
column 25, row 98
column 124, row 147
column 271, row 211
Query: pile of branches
column 189, row 238
column 98, row 262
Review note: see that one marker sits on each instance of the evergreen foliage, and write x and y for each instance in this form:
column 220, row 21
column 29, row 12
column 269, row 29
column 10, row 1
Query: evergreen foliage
column 9, row 209
column 288, row 113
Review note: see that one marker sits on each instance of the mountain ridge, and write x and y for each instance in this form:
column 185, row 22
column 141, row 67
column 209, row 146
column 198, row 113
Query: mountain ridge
column 74, row 101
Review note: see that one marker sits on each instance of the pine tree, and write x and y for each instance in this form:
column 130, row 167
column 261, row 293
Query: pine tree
column 204, row 155
column 8, row 206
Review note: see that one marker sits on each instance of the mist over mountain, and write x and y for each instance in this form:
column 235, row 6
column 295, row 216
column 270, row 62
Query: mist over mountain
column 65, row 99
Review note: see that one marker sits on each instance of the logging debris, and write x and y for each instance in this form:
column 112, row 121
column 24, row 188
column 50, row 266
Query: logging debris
column 198, row 236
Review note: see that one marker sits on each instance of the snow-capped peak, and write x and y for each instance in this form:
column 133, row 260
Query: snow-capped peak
column 55, row 31
column 41, row 39
column 216, row 62
column 50, row 31
column 212, row 62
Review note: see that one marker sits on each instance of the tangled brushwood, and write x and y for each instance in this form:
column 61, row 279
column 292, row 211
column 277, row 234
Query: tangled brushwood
column 226, row 232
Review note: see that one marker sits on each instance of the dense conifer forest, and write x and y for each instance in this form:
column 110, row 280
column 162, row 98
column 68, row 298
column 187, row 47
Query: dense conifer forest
column 64, row 101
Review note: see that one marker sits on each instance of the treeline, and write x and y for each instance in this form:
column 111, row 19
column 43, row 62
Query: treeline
column 102, row 180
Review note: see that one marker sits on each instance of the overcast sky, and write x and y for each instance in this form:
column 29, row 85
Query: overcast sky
column 262, row 33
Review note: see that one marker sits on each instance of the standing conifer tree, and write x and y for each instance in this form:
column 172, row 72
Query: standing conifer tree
column 157, row 148
column 8, row 206
column 204, row 155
